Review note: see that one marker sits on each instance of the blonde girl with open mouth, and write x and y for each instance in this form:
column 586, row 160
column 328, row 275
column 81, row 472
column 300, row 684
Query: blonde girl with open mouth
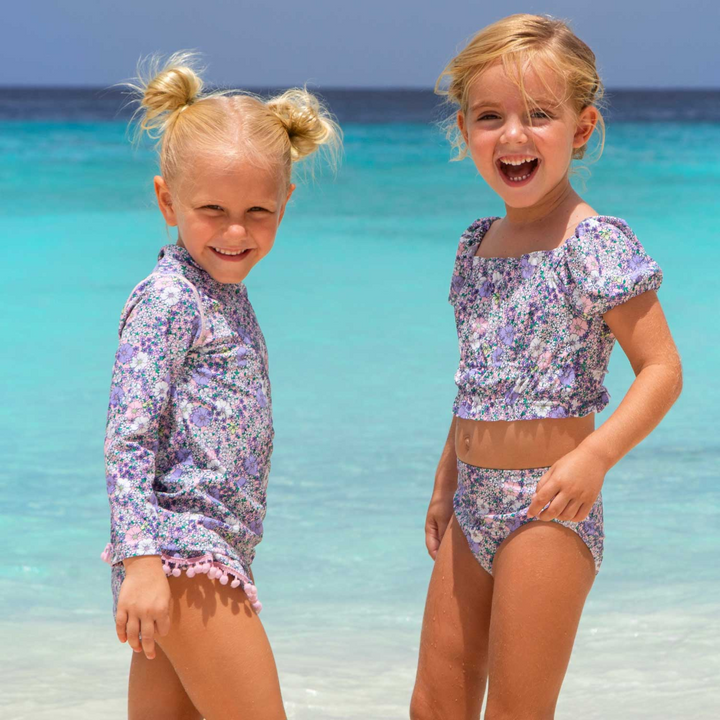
column 515, row 523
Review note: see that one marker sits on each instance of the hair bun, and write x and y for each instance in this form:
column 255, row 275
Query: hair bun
column 307, row 123
column 166, row 88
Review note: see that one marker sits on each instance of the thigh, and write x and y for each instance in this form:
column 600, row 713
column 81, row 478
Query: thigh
column 155, row 691
column 543, row 573
column 220, row 651
column 452, row 669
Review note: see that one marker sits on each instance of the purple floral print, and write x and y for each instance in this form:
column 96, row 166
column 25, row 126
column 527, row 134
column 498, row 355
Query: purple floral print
column 189, row 415
column 533, row 341
column 490, row 504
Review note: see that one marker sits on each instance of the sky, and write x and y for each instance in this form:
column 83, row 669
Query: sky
column 341, row 43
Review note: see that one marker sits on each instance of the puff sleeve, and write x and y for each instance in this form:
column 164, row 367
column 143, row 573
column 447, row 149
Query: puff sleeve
column 607, row 266
column 160, row 324
column 463, row 258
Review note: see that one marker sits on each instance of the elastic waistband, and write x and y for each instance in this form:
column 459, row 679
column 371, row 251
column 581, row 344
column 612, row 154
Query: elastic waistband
column 489, row 473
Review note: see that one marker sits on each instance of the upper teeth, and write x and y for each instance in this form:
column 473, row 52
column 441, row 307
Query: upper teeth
column 229, row 252
column 516, row 161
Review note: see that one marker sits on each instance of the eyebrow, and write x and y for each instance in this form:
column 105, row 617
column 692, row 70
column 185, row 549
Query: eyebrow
column 483, row 103
column 541, row 102
column 205, row 200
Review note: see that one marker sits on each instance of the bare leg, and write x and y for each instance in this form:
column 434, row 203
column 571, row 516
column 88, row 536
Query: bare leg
column 452, row 669
column 543, row 573
column 155, row 691
column 220, row 652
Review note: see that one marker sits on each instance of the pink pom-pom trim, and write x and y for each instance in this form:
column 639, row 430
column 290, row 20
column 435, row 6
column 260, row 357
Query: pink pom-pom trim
column 202, row 564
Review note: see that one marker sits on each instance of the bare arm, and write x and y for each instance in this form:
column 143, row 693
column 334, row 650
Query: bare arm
column 642, row 331
column 440, row 509
column 573, row 483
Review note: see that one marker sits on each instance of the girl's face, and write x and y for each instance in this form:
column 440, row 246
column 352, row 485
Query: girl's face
column 522, row 153
column 227, row 215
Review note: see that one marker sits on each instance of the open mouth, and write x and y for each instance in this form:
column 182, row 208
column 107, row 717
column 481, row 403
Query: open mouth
column 517, row 170
column 231, row 255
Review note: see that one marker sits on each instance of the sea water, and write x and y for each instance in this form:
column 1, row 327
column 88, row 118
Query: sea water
column 353, row 303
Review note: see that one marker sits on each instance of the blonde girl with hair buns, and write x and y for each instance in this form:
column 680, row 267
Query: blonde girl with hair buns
column 189, row 428
column 515, row 522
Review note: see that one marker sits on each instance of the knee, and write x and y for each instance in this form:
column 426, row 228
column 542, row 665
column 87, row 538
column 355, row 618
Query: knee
column 421, row 707
column 510, row 711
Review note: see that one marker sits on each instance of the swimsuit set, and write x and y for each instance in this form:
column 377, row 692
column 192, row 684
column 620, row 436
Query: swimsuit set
column 189, row 429
column 534, row 344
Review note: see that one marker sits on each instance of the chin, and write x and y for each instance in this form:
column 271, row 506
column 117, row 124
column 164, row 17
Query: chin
column 229, row 278
column 518, row 199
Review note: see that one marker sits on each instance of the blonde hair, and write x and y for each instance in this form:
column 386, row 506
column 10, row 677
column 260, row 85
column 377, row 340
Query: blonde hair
column 519, row 40
column 174, row 110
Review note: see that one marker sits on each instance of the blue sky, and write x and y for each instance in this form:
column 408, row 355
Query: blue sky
column 341, row 43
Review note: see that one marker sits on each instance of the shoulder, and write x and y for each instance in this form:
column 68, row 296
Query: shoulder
column 163, row 298
column 165, row 291
column 604, row 233
column 477, row 229
column 474, row 234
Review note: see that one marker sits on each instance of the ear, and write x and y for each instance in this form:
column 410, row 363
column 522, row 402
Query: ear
column 461, row 125
column 165, row 200
column 586, row 123
column 291, row 190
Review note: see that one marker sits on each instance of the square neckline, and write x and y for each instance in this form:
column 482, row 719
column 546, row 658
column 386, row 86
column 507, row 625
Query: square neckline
column 474, row 247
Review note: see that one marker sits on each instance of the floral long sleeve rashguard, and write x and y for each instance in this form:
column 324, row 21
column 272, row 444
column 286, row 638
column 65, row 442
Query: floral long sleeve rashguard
column 189, row 429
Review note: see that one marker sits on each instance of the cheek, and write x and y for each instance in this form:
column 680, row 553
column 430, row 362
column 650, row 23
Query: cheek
column 481, row 146
column 198, row 227
column 555, row 140
column 264, row 233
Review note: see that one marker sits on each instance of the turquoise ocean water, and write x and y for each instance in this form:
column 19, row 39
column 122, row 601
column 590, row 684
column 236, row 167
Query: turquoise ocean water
column 362, row 346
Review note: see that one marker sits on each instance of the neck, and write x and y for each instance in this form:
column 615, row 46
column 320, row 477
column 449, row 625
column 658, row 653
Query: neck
column 561, row 196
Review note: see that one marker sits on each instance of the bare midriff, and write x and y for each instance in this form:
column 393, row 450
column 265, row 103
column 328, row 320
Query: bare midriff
column 518, row 444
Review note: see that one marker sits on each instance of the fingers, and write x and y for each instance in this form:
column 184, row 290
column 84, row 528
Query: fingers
column 442, row 529
column 148, row 638
column 432, row 539
column 570, row 510
column 162, row 625
column 543, row 496
column 121, row 625
column 582, row 513
column 555, row 508
column 133, row 632
column 141, row 634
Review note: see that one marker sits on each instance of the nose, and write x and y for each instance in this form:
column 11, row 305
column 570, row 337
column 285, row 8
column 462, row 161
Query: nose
column 514, row 132
column 236, row 231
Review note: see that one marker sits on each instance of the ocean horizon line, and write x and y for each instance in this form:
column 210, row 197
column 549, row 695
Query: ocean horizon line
column 354, row 88
column 363, row 106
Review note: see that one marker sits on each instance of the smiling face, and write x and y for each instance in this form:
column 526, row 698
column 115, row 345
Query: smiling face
column 523, row 153
column 227, row 215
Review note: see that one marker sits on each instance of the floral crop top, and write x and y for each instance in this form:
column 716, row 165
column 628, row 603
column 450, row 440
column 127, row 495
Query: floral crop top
column 533, row 341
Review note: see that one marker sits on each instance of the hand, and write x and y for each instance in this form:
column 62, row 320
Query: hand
column 571, row 486
column 439, row 514
column 143, row 604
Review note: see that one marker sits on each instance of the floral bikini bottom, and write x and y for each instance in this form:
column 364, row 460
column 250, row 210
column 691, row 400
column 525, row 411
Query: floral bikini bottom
column 491, row 503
